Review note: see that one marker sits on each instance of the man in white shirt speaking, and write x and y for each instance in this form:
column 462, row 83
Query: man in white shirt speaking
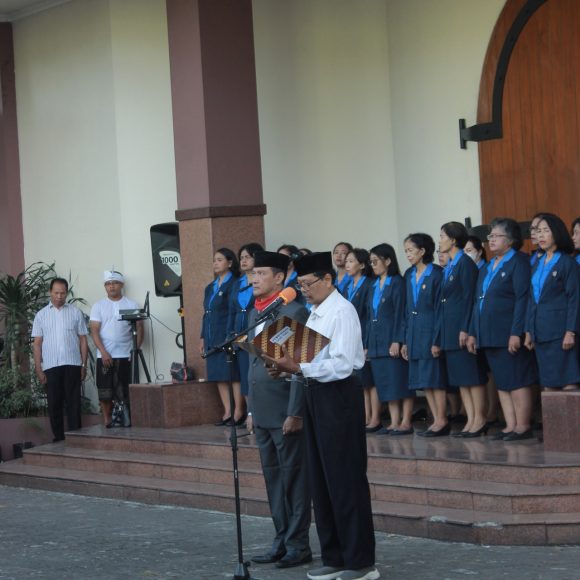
column 112, row 337
column 334, row 425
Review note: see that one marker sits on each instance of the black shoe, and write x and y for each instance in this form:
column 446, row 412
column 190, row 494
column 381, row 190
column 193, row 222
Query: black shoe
column 399, row 432
column 459, row 434
column 373, row 429
column 529, row 434
column 268, row 558
column 501, row 436
column 223, row 422
column 478, row 433
column 241, row 420
column 441, row 433
column 295, row 558
column 384, row 431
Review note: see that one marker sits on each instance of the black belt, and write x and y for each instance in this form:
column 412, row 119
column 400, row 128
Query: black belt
column 311, row 383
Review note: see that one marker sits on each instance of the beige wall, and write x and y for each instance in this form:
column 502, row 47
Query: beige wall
column 359, row 104
column 325, row 121
column 96, row 145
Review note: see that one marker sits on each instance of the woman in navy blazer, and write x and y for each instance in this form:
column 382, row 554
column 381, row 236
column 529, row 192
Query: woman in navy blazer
column 385, row 334
column 423, row 283
column 554, row 307
column 242, row 301
column 214, row 327
column 464, row 369
column 498, row 324
column 576, row 238
column 475, row 250
column 356, row 291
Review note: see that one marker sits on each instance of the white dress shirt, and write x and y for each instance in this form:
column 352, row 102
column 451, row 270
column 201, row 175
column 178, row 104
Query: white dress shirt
column 60, row 329
column 337, row 319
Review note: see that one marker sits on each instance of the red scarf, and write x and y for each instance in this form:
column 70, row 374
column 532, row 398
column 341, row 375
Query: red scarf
column 261, row 304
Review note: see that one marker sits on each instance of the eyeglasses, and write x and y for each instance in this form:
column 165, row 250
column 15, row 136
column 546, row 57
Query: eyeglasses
column 306, row 285
column 494, row 236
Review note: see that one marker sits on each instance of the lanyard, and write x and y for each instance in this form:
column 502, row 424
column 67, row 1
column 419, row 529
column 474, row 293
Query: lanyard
column 452, row 264
column 541, row 274
column 492, row 273
column 416, row 284
column 353, row 289
column 378, row 291
column 244, row 294
column 217, row 286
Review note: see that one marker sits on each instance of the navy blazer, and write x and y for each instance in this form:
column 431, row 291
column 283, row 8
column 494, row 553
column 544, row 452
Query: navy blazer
column 454, row 314
column 558, row 309
column 238, row 316
column 421, row 320
column 388, row 325
column 361, row 302
column 502, row 312
column 214, row 325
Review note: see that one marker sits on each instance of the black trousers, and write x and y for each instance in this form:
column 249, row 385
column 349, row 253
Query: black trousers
column 283, row 459
column 337, row 463
column 63, row 386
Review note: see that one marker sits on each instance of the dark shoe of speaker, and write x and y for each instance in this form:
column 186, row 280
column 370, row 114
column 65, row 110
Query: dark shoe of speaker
column 295, row 558
column 268, row 558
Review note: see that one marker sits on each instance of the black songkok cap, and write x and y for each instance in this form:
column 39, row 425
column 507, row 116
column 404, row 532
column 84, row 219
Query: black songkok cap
column 271, row 260
column 316, row 262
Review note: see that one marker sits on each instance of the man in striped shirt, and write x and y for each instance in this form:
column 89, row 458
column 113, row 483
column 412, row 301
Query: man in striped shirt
column 60, row 357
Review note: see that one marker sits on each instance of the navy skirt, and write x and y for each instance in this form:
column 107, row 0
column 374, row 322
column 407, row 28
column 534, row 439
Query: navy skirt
column 557, row 367
column 465, row 369
column 391, row 378
column 512, row 371
column 218, row 368
column 243, row 362
column 365, row 375
column 427, row 373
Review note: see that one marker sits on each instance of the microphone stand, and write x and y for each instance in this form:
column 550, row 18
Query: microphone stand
column 241, row 572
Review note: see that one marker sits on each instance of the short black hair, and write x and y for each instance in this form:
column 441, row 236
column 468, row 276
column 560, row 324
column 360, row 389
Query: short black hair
column 292, row 250
column 560, row 232
column 511, row 228
column 423, row 242
column 362, row 257
column 349, row 247
column 387, row 252
column 230, row 257
column 575, row 223
column 59, row 281
column 456, row 231
column 478, row 245
column 305, row 251
column 251, row 248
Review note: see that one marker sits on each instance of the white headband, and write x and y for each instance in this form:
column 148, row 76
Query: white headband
column 112, row 276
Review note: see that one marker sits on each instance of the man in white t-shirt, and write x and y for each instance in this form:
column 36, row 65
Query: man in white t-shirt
column 113, row 340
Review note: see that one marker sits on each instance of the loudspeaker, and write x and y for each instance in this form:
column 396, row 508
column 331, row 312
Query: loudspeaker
column 166, row 259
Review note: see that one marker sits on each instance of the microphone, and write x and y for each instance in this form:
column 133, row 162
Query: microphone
column 285, row 297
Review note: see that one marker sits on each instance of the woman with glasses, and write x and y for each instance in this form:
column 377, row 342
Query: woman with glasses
column 498, row 324
column 357, row 266
column 464, row 369
column 554, row 307
column 576, row 238
column 242, row 301
column 474, row 249
column 385, row 334
column 423, row 281
column 214, row 327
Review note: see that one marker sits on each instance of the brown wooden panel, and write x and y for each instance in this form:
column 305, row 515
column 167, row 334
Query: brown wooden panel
column 536, row 165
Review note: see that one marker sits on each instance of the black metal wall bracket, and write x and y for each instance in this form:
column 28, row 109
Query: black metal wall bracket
column 494, row 129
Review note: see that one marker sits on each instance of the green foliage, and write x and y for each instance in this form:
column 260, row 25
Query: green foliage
column 20, row 394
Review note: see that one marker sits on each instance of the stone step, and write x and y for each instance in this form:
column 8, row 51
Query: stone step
column 427, row 464
column 441, row 523
column 408, row 489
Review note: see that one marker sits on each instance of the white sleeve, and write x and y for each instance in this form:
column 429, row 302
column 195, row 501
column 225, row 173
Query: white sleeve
column 96, row 314
column 36, row 326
